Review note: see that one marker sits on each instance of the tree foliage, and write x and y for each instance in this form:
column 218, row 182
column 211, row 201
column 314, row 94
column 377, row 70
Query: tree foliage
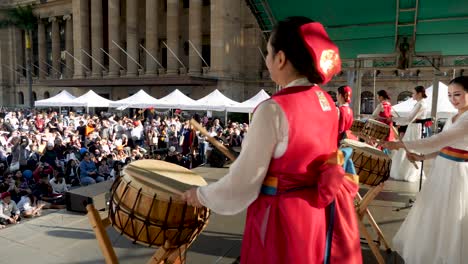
column 21, row 17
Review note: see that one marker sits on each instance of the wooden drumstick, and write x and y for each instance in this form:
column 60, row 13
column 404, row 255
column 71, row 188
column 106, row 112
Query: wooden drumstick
column 213, row 141
column 397, row 136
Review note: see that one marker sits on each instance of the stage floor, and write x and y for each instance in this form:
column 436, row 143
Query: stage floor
column 65, row 237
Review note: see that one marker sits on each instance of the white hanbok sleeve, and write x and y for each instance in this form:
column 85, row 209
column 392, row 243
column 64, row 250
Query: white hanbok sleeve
column 241, row 186
column 447, row 137
column 417, row 112
column 377, row 110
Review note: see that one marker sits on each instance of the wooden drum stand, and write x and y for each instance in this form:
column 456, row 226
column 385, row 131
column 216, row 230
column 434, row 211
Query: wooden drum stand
column 164, row 255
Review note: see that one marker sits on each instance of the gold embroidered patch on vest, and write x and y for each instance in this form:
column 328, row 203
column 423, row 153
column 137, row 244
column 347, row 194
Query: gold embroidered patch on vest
column 323, row 101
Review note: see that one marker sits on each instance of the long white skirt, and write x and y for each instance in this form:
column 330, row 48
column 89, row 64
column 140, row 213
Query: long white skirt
column 402, row 169
column 436, row 228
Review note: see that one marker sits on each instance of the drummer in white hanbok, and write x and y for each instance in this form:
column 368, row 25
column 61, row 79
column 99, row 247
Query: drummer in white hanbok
column 436, row 229
column 402, row 169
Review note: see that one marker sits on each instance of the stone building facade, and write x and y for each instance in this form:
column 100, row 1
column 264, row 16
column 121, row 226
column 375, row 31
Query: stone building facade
column 117, row 47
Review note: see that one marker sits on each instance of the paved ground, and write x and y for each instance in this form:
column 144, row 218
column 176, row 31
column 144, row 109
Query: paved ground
column 64, row 237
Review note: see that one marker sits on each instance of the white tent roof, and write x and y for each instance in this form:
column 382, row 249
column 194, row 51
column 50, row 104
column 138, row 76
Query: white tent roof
column 176, row 99
column 249, row 105
column 139, row 100
column 445, row 109
column 62, row 99
column 90, row 99
column 215, row 101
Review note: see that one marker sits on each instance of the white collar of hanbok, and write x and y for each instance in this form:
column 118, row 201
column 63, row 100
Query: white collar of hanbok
column 299, row 82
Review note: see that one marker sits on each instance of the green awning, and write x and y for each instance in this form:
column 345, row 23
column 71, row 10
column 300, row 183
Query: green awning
column 370, row 27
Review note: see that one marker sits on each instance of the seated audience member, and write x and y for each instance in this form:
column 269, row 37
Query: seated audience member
column 71, row 173
column 29, row 206
column 172, row 155
column 88, row 171
column 9, row 212
column 104, row 168
column 116, row 170
column 44, row 192
column 59, row 186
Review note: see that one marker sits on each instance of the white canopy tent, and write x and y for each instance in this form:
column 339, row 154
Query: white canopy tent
column 90, row 99
column 215, row 101
column 64, row 98
column 139, row 100
column 176, row 99
column 445, row 109
column 249, row 105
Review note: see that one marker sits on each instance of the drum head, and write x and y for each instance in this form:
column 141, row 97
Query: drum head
column 156, row 174
column 377, row 123
column 363, row 147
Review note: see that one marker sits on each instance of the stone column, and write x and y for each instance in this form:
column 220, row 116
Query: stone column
column 195, row 35
column 55, row 47
column 225, row 35
column 132, row 36
column 42, row 49
column 151, row 35
column 172, row 28
column 114, row 35
column 68, row 45
column 96, row 37
column 80, row 36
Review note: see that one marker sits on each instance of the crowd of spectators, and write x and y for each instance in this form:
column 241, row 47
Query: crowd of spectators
column 45, row 153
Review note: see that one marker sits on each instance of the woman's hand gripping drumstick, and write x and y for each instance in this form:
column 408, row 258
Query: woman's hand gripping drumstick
column 397, row 145
column 190, row 196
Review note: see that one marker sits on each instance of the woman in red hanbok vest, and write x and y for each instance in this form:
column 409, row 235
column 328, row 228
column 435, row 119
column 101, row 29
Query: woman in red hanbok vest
column 289, row 173
column 345, row 113
column 383, row 112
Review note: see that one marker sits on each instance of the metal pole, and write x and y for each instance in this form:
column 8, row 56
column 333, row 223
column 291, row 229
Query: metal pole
column 97, row 62
column 374, row 99
column 34, row 75
column 28, row 66
column 65, row 65
column 261, row 53
column 11, row 69
column 170, row 50
column 114, row 60
column 37, row 67
column 198, row 53
column 160, row 65
column 52, row 67
column 128, row 55
column 68, row 53
column 435, row 95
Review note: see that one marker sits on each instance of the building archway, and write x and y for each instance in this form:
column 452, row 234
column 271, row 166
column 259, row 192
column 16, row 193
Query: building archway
column 20, row 98
column 367, row 102
column 403, row 96
column 46, row 95
column 34, row 96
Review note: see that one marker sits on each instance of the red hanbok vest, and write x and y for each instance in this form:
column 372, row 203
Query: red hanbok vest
column 288, row 221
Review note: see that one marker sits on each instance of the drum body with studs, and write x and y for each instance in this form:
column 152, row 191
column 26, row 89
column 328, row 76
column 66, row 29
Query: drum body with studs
column 357, row 126
column 372, row 165
column 376, row 130
column 145, row 204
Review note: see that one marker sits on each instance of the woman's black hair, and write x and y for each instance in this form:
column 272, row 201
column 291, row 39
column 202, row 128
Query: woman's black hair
column 285, row 37
column 346, row 96
column 420, row 89
column 462, row 81
column 384, row 94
